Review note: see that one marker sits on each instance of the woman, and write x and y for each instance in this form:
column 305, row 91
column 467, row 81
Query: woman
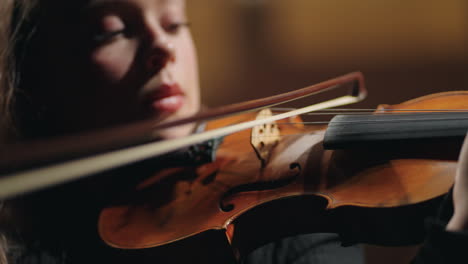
column 74, row 66
column 84, row 65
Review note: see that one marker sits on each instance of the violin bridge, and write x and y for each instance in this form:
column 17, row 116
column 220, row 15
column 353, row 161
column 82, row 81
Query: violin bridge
column 264, row 137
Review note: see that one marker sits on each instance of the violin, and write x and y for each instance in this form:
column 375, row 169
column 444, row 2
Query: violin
column 367, row 194
column 286, row 178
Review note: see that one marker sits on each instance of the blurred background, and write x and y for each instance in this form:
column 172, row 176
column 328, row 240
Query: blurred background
column 256, row 48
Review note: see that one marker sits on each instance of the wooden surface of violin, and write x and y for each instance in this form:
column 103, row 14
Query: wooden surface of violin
column 371, row 194
column 190, row 200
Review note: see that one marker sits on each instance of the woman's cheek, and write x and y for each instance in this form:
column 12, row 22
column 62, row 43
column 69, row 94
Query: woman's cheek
column 191, row 71
column 113, row 61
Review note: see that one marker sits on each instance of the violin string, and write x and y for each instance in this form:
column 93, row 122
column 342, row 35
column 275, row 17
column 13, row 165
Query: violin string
column 364, row 110
column 306, row 123
column 419, row 119
column 376, row 113
column 351, row 122
column 370, row 121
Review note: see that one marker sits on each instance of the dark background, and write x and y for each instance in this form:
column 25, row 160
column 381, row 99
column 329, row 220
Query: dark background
column 255, row 48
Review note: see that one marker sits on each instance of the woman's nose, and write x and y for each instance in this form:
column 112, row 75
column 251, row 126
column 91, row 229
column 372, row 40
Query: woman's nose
column 161, row 53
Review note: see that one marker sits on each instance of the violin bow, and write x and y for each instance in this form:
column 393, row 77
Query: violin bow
column 39, row 176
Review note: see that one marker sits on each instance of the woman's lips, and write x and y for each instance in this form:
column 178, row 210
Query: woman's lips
column 167, row 98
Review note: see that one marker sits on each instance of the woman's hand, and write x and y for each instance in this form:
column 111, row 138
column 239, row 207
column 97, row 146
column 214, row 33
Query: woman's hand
column 459, row 220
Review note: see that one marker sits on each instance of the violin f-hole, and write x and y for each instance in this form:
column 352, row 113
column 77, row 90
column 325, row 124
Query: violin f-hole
column 260, row 186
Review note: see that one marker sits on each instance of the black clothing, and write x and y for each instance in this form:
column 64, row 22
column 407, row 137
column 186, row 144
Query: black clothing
column 318, row 248
column 443, row 246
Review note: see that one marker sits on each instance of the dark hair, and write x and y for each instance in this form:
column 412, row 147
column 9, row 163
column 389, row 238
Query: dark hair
column 31, row 46
column 14, row 16
column 16, row 28
column 6, row 73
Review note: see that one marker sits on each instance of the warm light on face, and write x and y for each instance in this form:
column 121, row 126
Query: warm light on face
column 140, row 63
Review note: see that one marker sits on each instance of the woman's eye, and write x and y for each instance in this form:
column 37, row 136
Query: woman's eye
column 174, row 28
column 107, row 36
column 108, row 28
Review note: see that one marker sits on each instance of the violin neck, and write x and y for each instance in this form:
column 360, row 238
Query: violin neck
column 377, row 130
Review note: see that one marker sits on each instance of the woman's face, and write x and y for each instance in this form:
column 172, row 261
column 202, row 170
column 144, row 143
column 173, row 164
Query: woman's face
column 133, row 59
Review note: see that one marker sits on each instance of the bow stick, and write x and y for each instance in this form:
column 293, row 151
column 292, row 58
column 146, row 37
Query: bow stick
column 32, row 179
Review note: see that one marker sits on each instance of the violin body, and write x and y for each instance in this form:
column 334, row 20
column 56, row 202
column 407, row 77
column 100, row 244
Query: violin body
column 373, row 194
column 196, row 193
